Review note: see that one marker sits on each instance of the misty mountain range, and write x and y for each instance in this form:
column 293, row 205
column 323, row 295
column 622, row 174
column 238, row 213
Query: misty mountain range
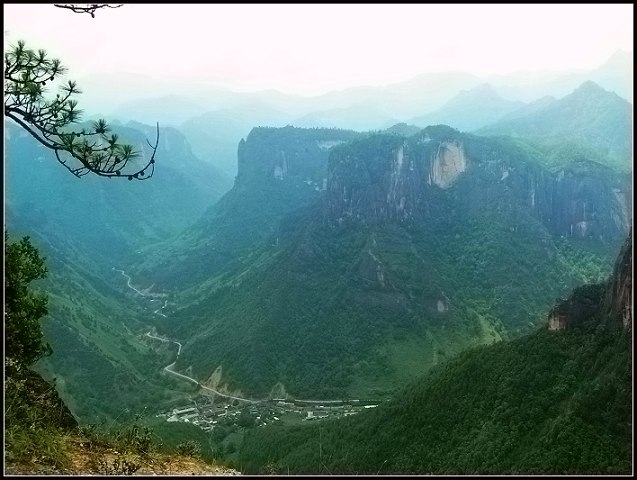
column 461, row 99
column 354, row 245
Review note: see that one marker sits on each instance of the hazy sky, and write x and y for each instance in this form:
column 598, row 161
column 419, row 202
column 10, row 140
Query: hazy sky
column 314, row 48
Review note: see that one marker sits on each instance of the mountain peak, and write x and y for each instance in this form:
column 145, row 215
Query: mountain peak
column 482, row 90
column 589, row 87
column 589, row 90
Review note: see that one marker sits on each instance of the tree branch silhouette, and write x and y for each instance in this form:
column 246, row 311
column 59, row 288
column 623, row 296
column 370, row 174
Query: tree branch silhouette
column 89, row 8
column 92, row 149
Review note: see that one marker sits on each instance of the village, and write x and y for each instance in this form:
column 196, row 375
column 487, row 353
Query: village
column 206, row 412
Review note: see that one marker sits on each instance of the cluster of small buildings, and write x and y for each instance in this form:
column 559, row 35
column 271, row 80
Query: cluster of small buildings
column 206, row 414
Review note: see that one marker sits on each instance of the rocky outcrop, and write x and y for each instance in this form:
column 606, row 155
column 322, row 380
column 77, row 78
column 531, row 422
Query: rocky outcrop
column 618, row 304
column 293, row 153
column 610, row 302
column 448, row 163
column 441, row 172
column 581, row 306
column 583, row 200
column 557, row 320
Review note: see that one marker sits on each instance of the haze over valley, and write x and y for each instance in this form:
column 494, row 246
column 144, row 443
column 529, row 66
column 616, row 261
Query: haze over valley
column 356, row 271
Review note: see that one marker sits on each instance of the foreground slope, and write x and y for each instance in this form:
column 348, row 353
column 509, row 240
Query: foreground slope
column 557, row 401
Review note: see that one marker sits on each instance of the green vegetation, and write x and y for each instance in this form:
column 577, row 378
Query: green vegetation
column 42, row 434
column 281, row 170
column 33, row 411
column 336, row 267
column 336, row 295
column 189, row 448
column 85, row 315
column 23, row 307
column 600, row 129
column 109, row 221
column 36, row 420
column 89, row 150
column 38, row 423
column 99, row 350
column 547, row 403
column 551, row 402
column 94, row 325
column 316, row 297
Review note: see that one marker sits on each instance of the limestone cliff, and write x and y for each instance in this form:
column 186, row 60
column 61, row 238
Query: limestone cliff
column 618, row 303
column 581, row 306
column 441, row 172
column 610, row 302
column 277, row 154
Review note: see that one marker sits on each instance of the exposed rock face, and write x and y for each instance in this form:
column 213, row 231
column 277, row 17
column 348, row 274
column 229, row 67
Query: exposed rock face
column 281, row 153
column 583, row 201
column 557, row 320
column 386, row 177
column 448, row 163
column 440, row 172
column 619, row 300
column 582, row 305
column 610, row 302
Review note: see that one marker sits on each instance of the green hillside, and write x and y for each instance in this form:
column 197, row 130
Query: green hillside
column 392, row 269
column 590, row 123
column 552, row 402
column 86, row 227
column 549, row 403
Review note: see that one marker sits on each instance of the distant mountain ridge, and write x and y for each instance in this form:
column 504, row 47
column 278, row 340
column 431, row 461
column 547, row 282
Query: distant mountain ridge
column 470, row 109
column 214, row 118
column 423, row 93
column 589, row 116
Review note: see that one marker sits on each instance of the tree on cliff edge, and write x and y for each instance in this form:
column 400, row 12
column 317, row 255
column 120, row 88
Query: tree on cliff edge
column 23, row 308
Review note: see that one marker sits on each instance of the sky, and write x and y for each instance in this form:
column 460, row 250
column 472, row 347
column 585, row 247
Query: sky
column 313, row 48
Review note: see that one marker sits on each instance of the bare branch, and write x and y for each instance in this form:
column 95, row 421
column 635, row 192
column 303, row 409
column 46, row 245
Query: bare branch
column 89, row 8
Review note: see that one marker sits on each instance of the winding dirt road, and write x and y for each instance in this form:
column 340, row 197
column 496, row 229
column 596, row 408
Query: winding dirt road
column 168, row 368
column 145, row 293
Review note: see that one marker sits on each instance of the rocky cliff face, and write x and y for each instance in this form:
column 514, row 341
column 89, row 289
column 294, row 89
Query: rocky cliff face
column 287, row 153
column 618, row 301
column 582, row 305
column 436, row 241
column 279, row 170
column 610, row 302
column 583, row 200
column 441, row 172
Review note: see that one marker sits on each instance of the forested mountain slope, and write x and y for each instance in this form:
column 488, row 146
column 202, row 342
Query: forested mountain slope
column 414, row 251
column 557, row 401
